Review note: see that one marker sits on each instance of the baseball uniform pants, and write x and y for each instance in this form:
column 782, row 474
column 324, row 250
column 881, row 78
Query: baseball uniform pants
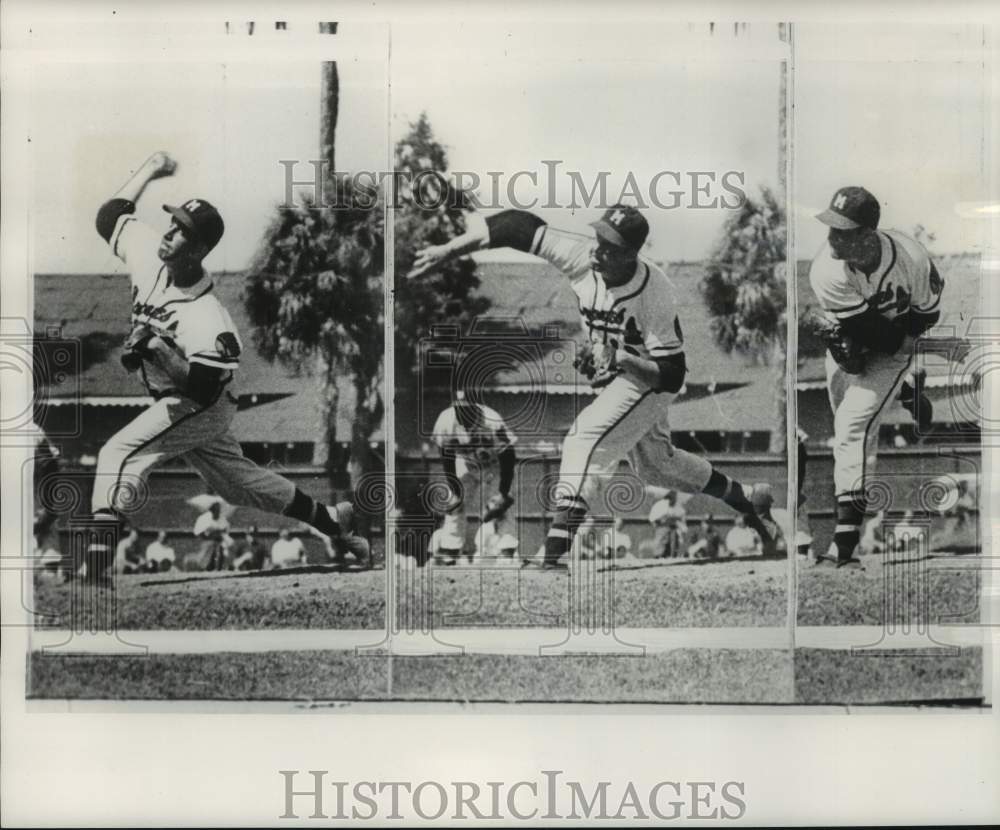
column 626, row 422
column 478, row 482
column 859, row 404
column 176, row 426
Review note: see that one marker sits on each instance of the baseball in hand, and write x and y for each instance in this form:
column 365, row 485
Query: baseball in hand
column 161, row 164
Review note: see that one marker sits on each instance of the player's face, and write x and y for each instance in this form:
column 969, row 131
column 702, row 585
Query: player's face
column 851, row 246
column 615, row 264
column 176, row 244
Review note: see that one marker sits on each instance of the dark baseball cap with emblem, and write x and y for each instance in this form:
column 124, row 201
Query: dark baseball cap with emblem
column 850, row 208
column 624, row 226
column 200, row 218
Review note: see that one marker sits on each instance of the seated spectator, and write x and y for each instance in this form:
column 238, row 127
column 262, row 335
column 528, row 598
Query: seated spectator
column 670, row 520
column 445, row 548
column 128, row 558
column 159, row 555
column 741, row 540
column 873, row 538
column 763, row 502
column 287, row 550
column 213, row 531
column 709, row 544
column 618, row 542
column 47, row 556
column 250, row 554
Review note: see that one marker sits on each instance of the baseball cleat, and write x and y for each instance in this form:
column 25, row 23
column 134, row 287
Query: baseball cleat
column 349, row 541
column 852, row 564
column 824, row 561
column 759, row 526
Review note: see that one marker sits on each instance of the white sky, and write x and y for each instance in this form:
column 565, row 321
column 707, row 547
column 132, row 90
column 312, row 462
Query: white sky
column 598, row 98
column 506, row 97
column 228, row 124
column 911, row 130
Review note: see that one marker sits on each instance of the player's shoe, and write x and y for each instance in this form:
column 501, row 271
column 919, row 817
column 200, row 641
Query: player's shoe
column 852, row 564
column 349, row 541
column 824, row 561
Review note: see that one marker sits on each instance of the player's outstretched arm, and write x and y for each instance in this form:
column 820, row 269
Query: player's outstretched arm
column 156, row 166
column 508, row 229
column 434, row 256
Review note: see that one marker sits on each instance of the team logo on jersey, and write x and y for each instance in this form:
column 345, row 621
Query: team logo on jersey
column 228, row 345
column 151, row 312
column 611, row 317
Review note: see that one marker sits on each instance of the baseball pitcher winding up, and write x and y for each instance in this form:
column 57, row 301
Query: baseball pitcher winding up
column 186, row 349
column 633, row 354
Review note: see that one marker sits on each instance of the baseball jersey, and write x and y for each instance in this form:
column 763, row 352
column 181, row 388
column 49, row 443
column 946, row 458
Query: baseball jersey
column 482, row 444
column 904, row 280
column 641, row 314
column 191, row 317
column 207, row 524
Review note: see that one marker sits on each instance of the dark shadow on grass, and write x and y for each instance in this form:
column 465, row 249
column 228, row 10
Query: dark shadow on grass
column 297, row 571
column 677, row 561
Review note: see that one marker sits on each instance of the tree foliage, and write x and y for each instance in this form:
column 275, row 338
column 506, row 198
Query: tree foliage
column 314, row 293
column 447, row 296
column 745, row 290
column 744, row 285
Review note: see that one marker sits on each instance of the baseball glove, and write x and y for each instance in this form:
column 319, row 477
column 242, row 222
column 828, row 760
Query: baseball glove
column 598, row 363
column 135, row 348
column 850, row 356
column 497, row 505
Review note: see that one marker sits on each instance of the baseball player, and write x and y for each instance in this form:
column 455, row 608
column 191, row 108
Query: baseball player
column 881, row 291
column 186, row 349
column 477, row 452
column 633, row 353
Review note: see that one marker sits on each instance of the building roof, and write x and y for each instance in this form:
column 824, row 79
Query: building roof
column 745, row 409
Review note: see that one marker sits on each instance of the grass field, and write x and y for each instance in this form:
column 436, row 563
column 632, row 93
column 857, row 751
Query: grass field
column 932, row 589
column 676, row 594
column 684, row 594
column 752, row 676
column 314, row 596
column 680, row 676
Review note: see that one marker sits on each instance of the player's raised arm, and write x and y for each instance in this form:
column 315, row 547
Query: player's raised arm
column 508, row 229
column 157, row 166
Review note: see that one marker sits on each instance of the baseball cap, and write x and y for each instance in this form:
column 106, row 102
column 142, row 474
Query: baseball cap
column 624, row 226
column 851, row 207
column 201, row 219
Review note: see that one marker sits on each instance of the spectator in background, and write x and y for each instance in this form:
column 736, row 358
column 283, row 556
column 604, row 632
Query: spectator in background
column 445, row 547
column 213, row 531
column 47, row 554
column 741, row 540
column 250, row 554
column 619, row 543
column 128, row 558
column 670, row 520
column 159, row 555
column 762, row 499
column 709, row 544
column 287, row 550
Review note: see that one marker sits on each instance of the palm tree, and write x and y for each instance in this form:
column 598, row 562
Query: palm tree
column 315, row 295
